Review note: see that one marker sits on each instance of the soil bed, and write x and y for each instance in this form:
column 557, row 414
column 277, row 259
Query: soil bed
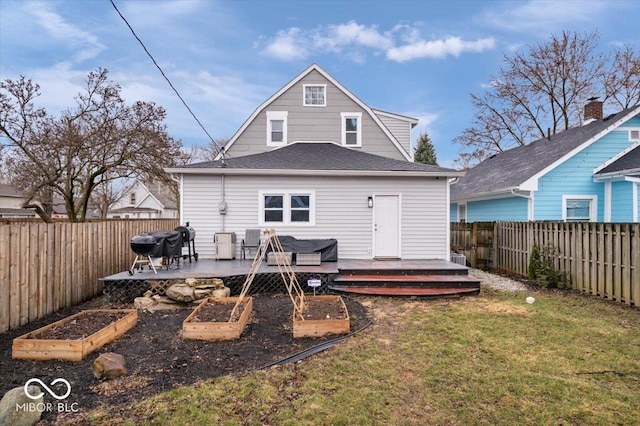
column 218, row 312
column 159, row 359
column 316, row 310
column 80, row 327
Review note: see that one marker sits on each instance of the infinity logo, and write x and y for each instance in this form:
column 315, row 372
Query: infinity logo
column 47, row 388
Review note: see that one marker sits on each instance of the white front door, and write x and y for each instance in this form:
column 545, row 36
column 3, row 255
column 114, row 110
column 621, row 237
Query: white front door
column 386, row 226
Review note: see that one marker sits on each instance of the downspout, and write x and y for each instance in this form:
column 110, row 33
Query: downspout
column 529, row 204
column 180, row 200
column 222, row 207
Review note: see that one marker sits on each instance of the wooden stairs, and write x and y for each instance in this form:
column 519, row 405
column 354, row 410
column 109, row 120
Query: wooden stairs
column 428, row 281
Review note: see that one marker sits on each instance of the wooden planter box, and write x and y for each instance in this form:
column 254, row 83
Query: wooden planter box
column 321, row 327
column 29, row 346
column 218, row 330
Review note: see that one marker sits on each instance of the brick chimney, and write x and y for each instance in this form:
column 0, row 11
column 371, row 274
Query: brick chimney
column 593, row 110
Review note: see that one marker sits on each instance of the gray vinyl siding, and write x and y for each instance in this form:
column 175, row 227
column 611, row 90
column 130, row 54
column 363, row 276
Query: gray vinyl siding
column 341, row 211
column 401, row 129
column 311, row 123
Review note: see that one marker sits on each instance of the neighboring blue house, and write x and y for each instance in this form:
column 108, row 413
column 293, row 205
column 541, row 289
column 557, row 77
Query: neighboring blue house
column 588, row 173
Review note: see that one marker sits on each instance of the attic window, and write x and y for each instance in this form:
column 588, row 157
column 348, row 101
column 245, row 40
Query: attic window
column 634, row 135
column 132, row 198
column 277, row 128
column 315, row 95
column 351, row 128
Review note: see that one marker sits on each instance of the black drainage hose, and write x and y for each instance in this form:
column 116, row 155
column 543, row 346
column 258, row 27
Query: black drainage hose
column 314, row 349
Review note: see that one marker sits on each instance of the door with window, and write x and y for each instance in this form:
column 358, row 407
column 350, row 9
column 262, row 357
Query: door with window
column 386, row 226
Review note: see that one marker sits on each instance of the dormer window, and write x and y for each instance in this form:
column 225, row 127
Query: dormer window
column 314, row 95
column 277, row 128
column 351, row 128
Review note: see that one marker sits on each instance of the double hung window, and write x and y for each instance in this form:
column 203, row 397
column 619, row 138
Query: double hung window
column 351, row 128
column 277, row 128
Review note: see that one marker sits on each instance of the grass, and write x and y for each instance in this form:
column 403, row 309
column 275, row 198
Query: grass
column 487, row 360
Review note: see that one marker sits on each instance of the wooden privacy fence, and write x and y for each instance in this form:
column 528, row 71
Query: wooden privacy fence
column 46, row 267
column 602, row 259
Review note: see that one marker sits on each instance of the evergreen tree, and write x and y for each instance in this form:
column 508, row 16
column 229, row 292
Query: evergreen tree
column 425, row 152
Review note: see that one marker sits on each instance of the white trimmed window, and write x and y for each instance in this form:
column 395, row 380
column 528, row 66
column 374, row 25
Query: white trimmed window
column 314, row 95
column 634, row 135
column 287, row 208
column 579, row 208
column 351, row 128
column 132, row 198
column 277, row 128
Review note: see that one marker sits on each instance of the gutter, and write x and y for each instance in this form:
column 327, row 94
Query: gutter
column 289, row 172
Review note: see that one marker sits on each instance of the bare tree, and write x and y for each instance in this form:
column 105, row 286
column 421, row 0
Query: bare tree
column 543, row 91
column 622, row 82
column 98, row 141
column 207, row 152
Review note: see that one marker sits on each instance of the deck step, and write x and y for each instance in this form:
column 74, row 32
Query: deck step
column 404, row 291
column 414, row 279
column 411, row 271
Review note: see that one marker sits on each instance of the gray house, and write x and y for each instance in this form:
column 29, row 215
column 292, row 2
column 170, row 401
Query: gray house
column 313, row 161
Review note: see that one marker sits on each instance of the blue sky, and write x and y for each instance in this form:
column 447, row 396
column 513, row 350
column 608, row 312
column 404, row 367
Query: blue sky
column 418, row 58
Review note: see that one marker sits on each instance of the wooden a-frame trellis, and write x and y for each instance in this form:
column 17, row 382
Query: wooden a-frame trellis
column 296, row 294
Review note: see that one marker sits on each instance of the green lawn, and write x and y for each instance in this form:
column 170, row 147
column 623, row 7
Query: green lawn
column 492, row 359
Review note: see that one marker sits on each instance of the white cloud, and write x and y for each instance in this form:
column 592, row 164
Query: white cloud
column 402, row 43
column 439, row 48
column 543, row 16
column 287, row 45
column 85, row 44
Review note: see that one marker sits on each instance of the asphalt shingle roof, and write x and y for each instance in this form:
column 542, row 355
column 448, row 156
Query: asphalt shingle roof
column 511, row 168
column 318, row 156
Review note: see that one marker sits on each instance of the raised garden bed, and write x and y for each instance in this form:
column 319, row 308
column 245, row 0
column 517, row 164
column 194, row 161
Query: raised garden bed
column 211, row 319
column 75, row 336
column 323, row 315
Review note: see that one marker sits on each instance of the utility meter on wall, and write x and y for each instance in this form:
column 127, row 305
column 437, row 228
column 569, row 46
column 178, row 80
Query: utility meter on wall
column 222, row 207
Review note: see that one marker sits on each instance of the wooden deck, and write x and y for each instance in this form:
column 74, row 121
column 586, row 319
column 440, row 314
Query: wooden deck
column 206, row 268
column 389, row 277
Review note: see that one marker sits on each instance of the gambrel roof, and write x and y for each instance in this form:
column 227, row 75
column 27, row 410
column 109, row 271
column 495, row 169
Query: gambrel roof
column 520, row 168
column 371, row 112
column 315, row 158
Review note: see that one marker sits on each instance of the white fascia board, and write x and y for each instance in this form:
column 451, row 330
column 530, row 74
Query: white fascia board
column 531, row 184
column 503, row 193
column 338, row 85
column 289, row 172
column 617, row 175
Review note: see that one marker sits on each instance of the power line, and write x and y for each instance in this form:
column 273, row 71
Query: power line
column 218, row 147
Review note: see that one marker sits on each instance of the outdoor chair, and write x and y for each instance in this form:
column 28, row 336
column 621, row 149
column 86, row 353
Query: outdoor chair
column 251, row 240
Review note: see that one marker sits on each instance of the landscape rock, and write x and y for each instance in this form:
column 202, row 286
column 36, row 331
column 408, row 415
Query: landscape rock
column 204, row 283
column 109, row 366
column 9, row 415
column 221, row 292
column 143, row 302
column 202, row 293
column 181, row 292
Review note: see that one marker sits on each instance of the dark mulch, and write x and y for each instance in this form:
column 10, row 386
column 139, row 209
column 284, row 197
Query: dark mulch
column 159, row 359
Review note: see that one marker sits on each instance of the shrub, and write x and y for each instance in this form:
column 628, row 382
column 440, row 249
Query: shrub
column 541, row 269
